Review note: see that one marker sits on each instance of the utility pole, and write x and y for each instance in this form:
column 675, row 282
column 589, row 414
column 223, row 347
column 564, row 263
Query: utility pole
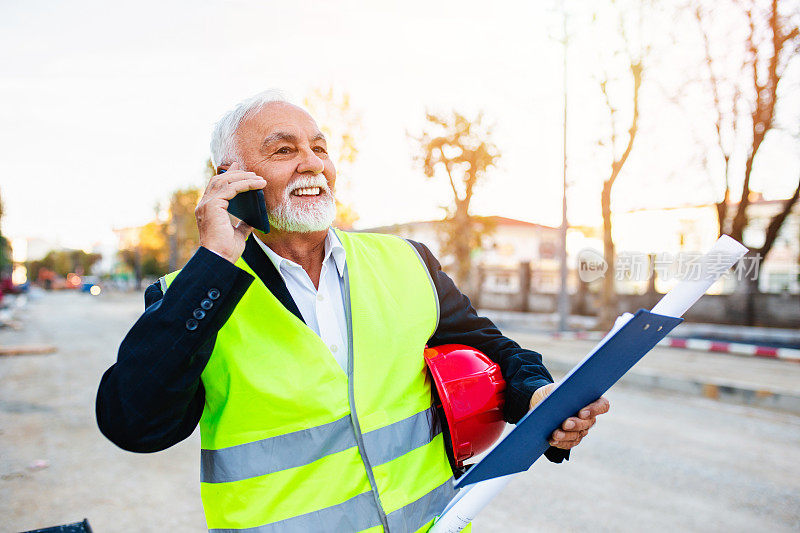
column 563, row 295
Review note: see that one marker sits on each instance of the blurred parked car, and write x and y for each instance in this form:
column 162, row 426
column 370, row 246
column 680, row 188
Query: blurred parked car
column 91, row 284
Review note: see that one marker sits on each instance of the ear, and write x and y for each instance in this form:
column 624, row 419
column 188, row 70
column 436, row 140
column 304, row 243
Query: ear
column 227, row 166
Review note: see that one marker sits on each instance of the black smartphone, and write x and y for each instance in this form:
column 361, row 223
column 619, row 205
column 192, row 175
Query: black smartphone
column 250, row 207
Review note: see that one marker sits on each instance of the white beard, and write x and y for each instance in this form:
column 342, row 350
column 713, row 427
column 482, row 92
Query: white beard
column 317, row 215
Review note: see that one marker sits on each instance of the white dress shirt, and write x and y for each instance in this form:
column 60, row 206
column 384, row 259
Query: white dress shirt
column 322, row 309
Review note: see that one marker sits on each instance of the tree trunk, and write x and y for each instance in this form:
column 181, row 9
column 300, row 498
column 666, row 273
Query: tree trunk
column 748, row 286
column 751, row 288
column 722, row 208
column 776, row 222
column 137, row 268
column 479, row 283
column 524, row 285
column 751, row 291
column 651, row 280
column 608, row 296
column 740, row 218
column 462, row 251
column 580, row 305
column 172, row 235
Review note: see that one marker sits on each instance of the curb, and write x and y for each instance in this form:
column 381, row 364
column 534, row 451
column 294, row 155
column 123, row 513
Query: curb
column 710, row 388
column 701, row 345
column 786, row 354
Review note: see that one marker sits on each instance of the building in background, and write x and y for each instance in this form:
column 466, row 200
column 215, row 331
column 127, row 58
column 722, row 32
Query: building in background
column 671, row 231
column 24, row 249
column 781, row 270
column 511, row 243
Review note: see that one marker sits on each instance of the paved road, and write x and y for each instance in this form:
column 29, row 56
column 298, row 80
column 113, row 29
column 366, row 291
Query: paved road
column 658, row 462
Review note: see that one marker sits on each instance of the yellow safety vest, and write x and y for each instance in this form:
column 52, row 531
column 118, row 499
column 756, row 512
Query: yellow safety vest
column 291, row 443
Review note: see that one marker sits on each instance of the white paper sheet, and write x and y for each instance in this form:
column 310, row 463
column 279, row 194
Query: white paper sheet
column 468, row 503
column 722, row 256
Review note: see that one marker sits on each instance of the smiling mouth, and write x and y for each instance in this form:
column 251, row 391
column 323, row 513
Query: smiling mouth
column 307, row 191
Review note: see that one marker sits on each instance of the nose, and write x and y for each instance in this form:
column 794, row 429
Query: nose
column 310, row 163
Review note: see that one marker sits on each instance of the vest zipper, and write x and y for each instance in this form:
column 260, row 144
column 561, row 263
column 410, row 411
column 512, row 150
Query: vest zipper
column 351, row 398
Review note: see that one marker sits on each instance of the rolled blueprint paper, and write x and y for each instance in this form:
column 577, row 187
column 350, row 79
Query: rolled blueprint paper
column 723, row 255
column 468, row 503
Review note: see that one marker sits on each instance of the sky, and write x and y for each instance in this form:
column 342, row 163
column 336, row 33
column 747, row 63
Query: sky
column 106, row 108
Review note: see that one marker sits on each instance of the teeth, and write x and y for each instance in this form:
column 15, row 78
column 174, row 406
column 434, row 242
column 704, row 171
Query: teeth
column 307, row 191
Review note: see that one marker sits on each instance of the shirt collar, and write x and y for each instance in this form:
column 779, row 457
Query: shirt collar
column 333, row 247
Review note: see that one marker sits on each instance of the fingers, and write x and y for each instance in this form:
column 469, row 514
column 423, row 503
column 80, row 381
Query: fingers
column 574, row 429
column 564, row 436
column 541, row 393
column 226, row 186
column 568, row 436
column 597, row 407
column 241, row 185
column 577, row 424
column 567, row 439
column 243, row 230
column 565, row 444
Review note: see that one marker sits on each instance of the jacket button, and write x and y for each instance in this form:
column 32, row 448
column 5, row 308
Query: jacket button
column 191, row 324
column 206, row 304
column 199, row 314
column 213, row 294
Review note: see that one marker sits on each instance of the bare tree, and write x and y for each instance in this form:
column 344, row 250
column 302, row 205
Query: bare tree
column 745, row 100
column 463, row 149
column 183, row 236
column 619, row 143
column 726, row 115
column 745, row 103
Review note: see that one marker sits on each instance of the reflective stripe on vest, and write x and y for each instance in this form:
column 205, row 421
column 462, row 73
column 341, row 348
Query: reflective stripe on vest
column 302, row 447
column 292, row 443
column 358, row 514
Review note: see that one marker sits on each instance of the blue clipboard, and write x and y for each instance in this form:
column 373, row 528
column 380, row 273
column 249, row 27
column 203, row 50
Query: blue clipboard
column 585, row 383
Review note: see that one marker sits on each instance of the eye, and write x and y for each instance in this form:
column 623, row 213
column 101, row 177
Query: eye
column 320, row 150
column 283, row 150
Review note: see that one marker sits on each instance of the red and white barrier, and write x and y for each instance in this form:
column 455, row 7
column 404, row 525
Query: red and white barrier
column 701, row 345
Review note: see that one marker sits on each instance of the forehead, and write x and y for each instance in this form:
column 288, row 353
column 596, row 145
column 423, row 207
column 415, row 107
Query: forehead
column 278, row 116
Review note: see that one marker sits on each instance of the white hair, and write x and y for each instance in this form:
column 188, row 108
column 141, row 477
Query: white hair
column 223, row 139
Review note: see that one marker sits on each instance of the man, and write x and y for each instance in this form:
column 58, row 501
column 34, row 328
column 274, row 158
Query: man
column 299, row 353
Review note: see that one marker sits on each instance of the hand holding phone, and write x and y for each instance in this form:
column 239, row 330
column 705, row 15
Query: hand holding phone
column 250, row 207
column 217, row 234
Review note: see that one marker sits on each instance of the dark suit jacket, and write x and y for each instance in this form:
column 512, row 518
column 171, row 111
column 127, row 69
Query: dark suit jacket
column 152, row 397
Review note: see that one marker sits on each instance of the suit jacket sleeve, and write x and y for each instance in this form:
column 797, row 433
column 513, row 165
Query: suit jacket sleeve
column 522, row 369
column 152, row 397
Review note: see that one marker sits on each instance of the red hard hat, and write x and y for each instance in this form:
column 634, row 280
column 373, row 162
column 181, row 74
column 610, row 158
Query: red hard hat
column 470, row 387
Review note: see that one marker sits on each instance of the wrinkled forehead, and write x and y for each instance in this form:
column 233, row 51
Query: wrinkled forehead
column 278, row 116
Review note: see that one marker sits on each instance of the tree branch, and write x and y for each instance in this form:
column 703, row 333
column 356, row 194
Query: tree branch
column 766, row 95
column 612, row 112
column 777, row 221
column 616, row 167
column 449, row 175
